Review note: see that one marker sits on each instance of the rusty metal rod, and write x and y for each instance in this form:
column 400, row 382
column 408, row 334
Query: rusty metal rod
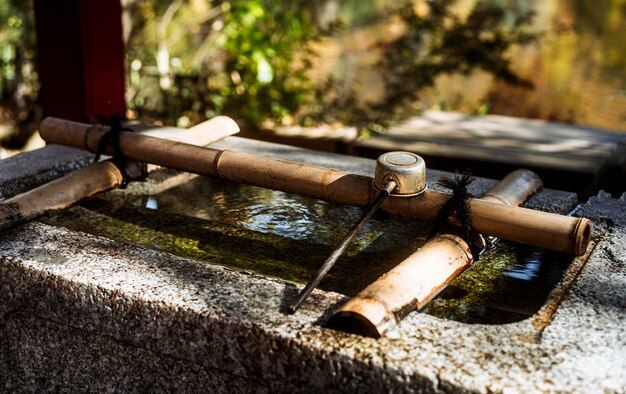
column 334, row 256
column 537, row 228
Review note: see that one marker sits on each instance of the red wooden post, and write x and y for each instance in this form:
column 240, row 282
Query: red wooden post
column 81, row 58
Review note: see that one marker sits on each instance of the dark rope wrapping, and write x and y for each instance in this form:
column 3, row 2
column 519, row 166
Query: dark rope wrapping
column 457, row 204
column 113, row 137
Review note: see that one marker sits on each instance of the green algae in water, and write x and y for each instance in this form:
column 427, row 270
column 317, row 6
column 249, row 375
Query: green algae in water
column 250, row 228
column 507, row 285
column 289, row 236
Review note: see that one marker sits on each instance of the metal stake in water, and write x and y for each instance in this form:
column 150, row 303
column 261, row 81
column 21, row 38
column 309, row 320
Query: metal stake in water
column 332, row 259
column 398, row 174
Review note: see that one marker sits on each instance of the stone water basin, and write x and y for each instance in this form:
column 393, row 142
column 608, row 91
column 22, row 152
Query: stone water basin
column 111, row 296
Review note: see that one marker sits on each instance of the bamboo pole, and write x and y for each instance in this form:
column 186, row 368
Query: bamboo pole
column 421, row 276
column 60, row 193
column 547, row 230
column 97, row 178
column 212, row 130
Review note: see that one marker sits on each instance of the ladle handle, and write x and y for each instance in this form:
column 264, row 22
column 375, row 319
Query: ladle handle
column 332, row 259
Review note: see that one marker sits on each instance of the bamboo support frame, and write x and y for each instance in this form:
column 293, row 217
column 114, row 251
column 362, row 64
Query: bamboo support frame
column 98, row 177
column 537, row 228
column 60, row 193
column 424, row 274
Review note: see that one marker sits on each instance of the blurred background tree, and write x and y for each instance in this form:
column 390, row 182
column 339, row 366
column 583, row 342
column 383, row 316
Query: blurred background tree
column 435, row 40
column 252, row 60
column 193, row 60
column 356, row 62
column 18, row 78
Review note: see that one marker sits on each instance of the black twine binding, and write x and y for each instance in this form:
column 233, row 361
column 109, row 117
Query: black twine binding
column 457, row 204
column 113, row 137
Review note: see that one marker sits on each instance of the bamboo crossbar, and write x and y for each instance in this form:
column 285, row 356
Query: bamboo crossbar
column 421, row 276
column 60, row 193
column 537, row 228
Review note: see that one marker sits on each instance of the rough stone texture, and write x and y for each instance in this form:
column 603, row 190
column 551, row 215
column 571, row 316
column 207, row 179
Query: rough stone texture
column 589, row 328
column 605, row 210
column 83, row 313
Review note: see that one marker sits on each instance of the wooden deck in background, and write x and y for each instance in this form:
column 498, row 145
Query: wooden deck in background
column 502, row 139
column 574, row 158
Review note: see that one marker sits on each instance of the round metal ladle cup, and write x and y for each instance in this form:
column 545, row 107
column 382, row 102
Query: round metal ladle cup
column 406, row 169
column 398, row 174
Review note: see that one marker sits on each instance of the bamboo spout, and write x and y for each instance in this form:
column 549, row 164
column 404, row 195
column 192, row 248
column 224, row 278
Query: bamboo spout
column 547, row 230
column 421, row 276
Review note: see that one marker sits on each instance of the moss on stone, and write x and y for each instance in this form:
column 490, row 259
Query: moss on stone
column 484, row 293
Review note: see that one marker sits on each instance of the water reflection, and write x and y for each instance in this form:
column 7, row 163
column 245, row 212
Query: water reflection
column 288, row 220
column 151, row 203
column 505, row 286
column 274, row 212
column 528, row 268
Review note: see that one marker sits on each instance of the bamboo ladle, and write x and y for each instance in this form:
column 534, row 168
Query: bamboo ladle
column 424, row 274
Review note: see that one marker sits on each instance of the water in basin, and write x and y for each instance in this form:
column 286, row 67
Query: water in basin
column 289, row 236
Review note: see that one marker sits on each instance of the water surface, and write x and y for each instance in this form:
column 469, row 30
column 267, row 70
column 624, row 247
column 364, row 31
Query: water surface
column 288, row 236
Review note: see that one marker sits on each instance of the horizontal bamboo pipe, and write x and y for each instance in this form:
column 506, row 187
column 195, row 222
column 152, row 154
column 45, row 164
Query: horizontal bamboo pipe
column 97, row 178
column 421, row 276
column 547, row 230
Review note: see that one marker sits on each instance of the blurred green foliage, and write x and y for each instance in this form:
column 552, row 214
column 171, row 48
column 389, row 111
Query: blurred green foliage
column 268, row 55
column 248, row 59
column 189, row 60
column 19, row 84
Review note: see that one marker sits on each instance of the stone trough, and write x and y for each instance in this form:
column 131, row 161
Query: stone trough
column 80, row 312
